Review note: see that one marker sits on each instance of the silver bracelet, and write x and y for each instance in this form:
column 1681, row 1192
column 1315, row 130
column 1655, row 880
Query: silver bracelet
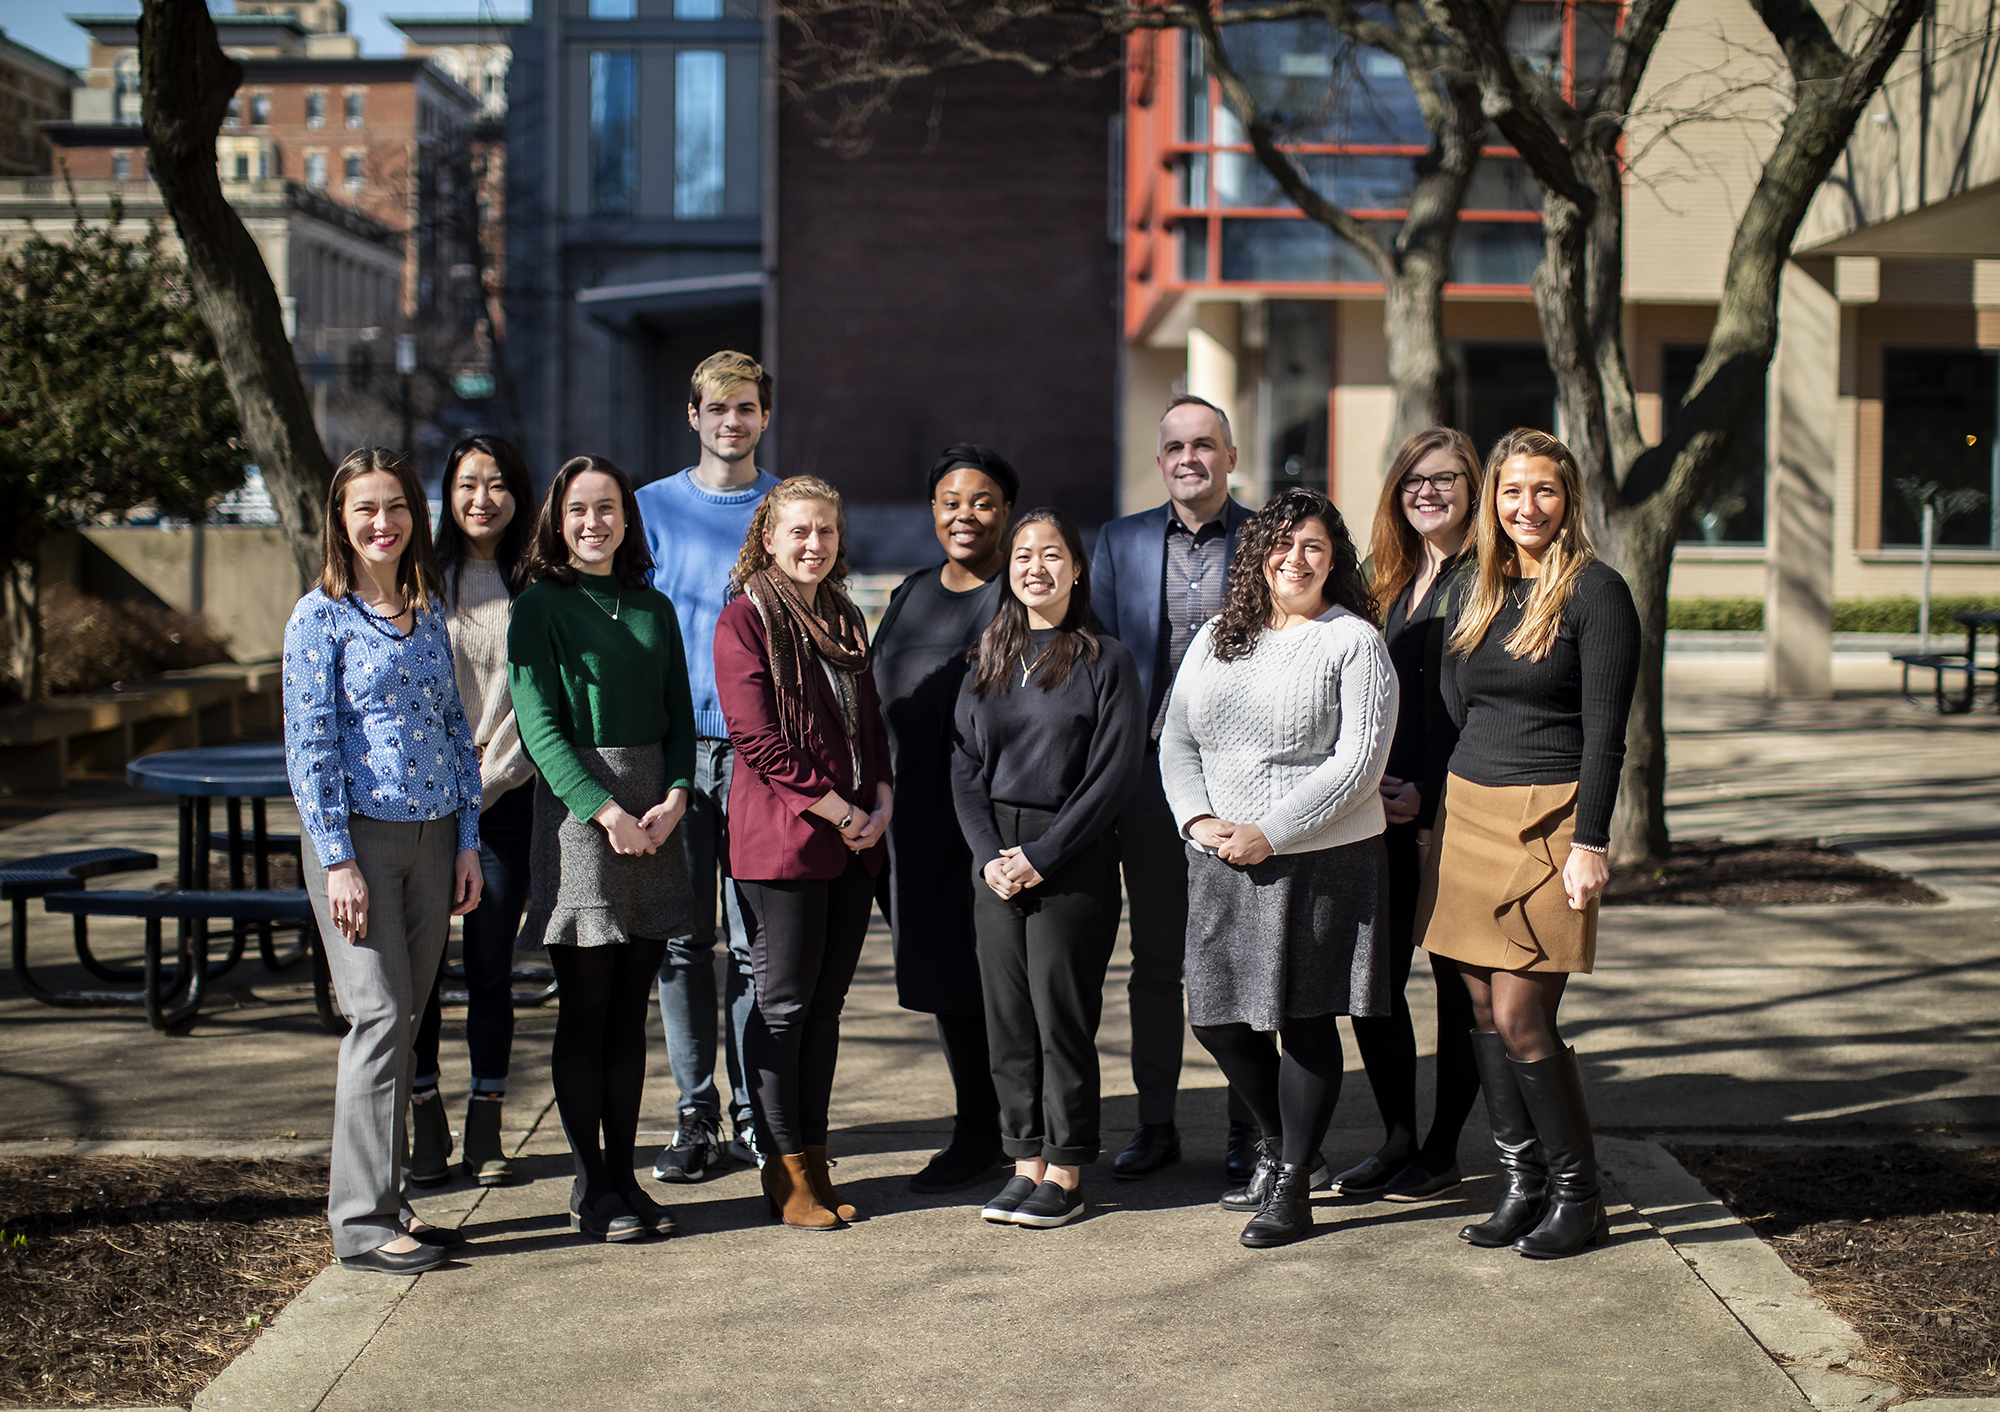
column 1596, row 848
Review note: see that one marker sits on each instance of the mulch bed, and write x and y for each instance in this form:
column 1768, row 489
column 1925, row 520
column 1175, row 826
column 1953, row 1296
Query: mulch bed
column 132, row 1281
column 1901, row 1241
column 1709, row 872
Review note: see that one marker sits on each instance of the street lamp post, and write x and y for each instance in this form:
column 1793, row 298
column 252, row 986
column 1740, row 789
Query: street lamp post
column 406, row 366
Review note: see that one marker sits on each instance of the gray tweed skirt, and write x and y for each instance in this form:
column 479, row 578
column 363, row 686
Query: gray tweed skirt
column 1297, row 935
column 583, row 894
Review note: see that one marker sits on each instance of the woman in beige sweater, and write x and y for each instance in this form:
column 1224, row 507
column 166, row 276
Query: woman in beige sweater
column 481, row 545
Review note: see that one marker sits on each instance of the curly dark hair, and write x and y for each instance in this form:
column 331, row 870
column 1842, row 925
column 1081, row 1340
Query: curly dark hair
column 1246, row 598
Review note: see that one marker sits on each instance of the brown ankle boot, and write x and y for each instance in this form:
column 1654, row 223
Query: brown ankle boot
column 789, row 1195
column 822, row 1185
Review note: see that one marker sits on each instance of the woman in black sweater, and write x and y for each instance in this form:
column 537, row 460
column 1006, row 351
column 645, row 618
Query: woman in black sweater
column 1042, row 766
column 1538, row 676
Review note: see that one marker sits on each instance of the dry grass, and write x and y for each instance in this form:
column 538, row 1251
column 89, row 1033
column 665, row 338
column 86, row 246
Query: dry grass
column 90, row 644
column 132, row 1281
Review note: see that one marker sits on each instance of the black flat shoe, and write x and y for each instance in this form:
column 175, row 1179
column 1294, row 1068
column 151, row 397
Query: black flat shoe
column 1152, row 1147
column 1005, row 1202
column 1050, row 1206
column 1413, row 1183
column 605, row 1218
column 960, row 1165
column 391, row 1262
column 657, row 1220
column 442, row 1237
column 1368, row 1177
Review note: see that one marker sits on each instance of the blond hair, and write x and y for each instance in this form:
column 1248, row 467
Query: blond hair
column 1562, row 567
column 718, row 372
column 755, row 558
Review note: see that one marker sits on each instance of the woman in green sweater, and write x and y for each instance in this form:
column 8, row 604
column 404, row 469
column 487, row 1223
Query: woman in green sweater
column 600, row 690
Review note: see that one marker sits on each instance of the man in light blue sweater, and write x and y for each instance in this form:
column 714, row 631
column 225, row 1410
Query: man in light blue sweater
column 695, row 524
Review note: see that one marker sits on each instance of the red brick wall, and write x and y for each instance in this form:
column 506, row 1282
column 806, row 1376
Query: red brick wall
column 954, row 284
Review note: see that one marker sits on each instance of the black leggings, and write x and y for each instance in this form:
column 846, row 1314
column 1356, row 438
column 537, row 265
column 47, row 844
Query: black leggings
column 805, row 941
column 1388, row 1042
column 1293, row 1095
column 598, row 1062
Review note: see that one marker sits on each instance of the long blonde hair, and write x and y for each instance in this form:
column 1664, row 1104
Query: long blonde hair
column 755, row 558
column 1394, row 546
column 1562, row 568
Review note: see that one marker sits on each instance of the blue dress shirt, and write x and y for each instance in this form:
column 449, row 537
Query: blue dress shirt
column 373, row 724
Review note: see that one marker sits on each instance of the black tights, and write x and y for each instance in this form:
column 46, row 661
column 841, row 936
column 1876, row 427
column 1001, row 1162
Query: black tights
column 598, row 1062
column 1293, row 1095
column 965, row 1054
column 1388, row 1045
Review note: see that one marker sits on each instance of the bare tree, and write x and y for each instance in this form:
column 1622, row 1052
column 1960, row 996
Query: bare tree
column 1640, row 493
column 855, row 55
column 185, row 84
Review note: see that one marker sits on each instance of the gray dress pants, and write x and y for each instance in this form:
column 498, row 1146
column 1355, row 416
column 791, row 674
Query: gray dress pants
column 382, row 981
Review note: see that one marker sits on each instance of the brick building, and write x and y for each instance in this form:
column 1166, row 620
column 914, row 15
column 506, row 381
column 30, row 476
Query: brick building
column 34, row 89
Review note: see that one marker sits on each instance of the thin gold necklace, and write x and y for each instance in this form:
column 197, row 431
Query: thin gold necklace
column 618, row 598
column 1028, row 668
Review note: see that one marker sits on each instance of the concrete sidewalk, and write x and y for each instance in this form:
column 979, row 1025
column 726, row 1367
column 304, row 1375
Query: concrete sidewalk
column 1865, row 1021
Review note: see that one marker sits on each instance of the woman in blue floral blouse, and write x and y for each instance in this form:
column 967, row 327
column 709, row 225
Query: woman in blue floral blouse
column 383, row 768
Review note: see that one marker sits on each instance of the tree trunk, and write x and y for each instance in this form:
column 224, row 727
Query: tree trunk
column 185, row 82
column 1413, row 327
column 24, row 625
column 1636, row 546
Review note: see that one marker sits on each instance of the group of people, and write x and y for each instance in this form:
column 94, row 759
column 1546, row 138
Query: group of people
column 635, row 723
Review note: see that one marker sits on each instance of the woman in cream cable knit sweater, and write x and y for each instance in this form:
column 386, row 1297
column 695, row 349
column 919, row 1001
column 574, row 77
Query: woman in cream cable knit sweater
column 1276, row 737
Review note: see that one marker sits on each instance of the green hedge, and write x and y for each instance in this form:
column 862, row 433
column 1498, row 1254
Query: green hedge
column 1890, row 615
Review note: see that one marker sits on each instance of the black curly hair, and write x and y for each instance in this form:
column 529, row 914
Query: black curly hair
column 1246, row 599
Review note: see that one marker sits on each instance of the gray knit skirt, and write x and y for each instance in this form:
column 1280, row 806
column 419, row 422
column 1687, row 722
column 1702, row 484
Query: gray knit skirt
column 583, row 894
column 1297, row 935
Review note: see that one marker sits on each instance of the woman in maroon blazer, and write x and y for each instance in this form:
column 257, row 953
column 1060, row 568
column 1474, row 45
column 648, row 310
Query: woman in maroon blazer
column 808, row 806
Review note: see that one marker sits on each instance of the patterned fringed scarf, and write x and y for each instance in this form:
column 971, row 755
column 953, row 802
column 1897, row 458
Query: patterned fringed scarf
column 830, row 627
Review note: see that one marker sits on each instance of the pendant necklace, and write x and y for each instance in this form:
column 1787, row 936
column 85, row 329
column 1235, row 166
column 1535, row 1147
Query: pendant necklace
column 1028, row 668
column 611, row 613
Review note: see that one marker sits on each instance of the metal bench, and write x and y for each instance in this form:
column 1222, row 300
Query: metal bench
column 28, row 878
column 172, row 1001
column 1939, row 663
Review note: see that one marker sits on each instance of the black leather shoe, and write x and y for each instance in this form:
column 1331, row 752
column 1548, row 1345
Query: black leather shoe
column 1414, row 1183
column 443, row 1237
column 390, row 1262
column 1240, row 1159
column 657, row 1220
column 1368, row 1177
column 1286, row 1214
column 604, row 1217
column 1152, row 1147
column 1250, row 1196
column 1552, row 1089
column 1526, row 1193
column 1005, row 1202
column 1049, row 1206
column 966, row 1161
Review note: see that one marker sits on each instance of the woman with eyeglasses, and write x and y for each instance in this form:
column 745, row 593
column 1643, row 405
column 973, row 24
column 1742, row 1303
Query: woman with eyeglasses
column 1538, row 675
column 1419, row 550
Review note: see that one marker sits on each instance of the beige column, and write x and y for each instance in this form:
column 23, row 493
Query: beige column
column 1808, row 406
column 1214, row 345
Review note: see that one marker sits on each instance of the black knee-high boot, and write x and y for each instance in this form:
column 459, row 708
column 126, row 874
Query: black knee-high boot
column 1552, row 1088
column 1526, row 1193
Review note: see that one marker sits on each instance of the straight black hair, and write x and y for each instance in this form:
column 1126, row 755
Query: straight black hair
column 1006, row 639
column 631, row 561
column 511, row 554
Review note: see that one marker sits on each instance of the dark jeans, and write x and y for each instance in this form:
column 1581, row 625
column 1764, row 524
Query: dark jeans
column 687, row 977
column 1042, row 958
column 1156, row 896
column 805, row 941
column 487, row 945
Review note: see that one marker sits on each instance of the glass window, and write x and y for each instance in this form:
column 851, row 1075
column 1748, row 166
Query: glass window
column 1938, row 444
column 242, row 167
column 1291, row 252
column 352, row 107
column 1502, row 184
column 260, row 110
column 1733, row 513
column 352, row 172
column 1595, row 27
column 614, row 156
column 232, row 116
column 1360, row 183
column 1535, row 33
column 1194, row 89
column 315, row 110
column 1194, row 251
column 697, row 9
column 699, row 123
column 1193, row 173
column 613, row 9
column 1496, row 252
column 1298, row 367
column 1502, row 386
column 316, row 169
column 121, row 166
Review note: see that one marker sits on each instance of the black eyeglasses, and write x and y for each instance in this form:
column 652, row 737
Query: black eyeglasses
column 1441, row 482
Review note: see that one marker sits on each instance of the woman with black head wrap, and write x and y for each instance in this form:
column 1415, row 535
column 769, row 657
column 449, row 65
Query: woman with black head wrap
column 934, row 618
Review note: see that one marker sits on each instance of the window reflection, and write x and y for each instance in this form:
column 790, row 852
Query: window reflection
column 1939, row 429
column 614, row 163
column 697, row 9
column 698, row 133
column 1492, row 252
column 1292, row 252
column 1733, row 510
column 613, row 9
column 1298, row 366
column 1194, row 251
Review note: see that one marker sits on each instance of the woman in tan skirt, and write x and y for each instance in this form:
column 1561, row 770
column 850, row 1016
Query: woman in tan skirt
column 1538, row 675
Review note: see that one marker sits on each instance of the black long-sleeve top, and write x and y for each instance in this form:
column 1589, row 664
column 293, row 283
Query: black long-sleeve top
column 1425, row 732
column 1556, row 720
column 1074, row 750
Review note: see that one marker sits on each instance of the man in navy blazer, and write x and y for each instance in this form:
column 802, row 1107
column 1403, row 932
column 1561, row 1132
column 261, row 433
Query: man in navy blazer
column 1155, row 578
